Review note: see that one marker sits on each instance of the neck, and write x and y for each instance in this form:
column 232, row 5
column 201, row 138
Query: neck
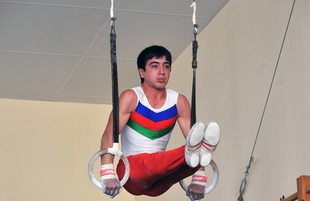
column 156, row 97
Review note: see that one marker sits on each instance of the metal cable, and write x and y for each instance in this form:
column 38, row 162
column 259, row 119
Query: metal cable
column 243, row 182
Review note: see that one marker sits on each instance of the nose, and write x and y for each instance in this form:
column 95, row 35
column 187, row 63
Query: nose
column 161, row 69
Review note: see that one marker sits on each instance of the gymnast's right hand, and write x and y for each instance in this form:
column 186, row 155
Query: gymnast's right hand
column 110, row 184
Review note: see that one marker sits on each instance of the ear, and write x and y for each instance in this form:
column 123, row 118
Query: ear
column 141, row 72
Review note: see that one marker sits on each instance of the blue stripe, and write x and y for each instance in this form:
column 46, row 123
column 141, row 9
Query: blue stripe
column 154, row 116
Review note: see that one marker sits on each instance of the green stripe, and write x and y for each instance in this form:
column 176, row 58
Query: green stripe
column 147, row 132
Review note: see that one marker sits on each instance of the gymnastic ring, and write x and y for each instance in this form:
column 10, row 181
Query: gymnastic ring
column 100, row 153
column 213, row 184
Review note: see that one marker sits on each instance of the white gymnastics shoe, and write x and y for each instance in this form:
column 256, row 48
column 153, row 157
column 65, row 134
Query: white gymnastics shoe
column 193, row 143
column 211, row 138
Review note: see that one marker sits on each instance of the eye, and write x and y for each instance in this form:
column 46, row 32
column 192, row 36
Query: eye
column 154, row 66
column 167, row 66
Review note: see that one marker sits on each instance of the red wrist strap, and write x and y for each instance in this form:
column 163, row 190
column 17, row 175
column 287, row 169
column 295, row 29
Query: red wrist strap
column 199, row 178
column 107, row 172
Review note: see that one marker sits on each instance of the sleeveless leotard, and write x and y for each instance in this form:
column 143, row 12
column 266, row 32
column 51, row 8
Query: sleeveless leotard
column 148, row 130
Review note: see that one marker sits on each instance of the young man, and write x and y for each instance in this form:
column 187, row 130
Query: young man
column 147, row 115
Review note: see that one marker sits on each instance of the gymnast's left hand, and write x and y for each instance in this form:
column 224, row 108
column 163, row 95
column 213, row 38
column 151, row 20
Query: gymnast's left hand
column 196, row 191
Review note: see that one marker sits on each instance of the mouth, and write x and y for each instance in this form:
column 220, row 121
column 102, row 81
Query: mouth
column 161, row 80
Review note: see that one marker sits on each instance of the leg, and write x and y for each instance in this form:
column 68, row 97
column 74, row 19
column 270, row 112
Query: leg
column 153, row 174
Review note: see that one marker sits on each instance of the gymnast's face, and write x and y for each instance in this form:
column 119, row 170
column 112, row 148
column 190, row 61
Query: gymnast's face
column 156, row 73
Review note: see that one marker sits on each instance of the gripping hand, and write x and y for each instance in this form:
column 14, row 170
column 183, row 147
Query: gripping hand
column 110, row 184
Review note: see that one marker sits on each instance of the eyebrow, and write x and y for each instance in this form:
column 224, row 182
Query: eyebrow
column 156, row 62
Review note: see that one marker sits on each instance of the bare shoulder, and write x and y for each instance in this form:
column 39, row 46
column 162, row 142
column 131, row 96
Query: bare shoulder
column 182, row 101
column 129, row 93
column 128, row 100
column 183, row 105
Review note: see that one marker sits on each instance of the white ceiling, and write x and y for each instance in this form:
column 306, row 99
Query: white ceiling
column 58, row 50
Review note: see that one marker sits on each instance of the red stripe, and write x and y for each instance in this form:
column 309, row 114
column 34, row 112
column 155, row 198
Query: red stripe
column 193, row 148
column 107, row 172
column 209, row 147
column 199, row 178
column 147, row 123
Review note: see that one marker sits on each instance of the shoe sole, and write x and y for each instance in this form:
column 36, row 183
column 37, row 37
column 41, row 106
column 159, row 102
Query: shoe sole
column 193, row 142
column 210, row 141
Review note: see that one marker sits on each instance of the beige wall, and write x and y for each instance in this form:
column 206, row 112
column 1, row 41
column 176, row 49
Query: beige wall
column 45, row 146
column 236, row 59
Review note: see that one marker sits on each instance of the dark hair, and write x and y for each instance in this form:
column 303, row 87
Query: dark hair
column 149, row 53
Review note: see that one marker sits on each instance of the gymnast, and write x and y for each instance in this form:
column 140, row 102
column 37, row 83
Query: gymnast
column 147, row 116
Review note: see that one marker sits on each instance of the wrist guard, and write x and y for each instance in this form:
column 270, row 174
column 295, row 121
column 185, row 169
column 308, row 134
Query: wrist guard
column 199, row 178
column 107, row 172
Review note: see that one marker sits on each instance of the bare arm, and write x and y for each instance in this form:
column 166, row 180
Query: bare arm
column 184, row 114
column 127, row 104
